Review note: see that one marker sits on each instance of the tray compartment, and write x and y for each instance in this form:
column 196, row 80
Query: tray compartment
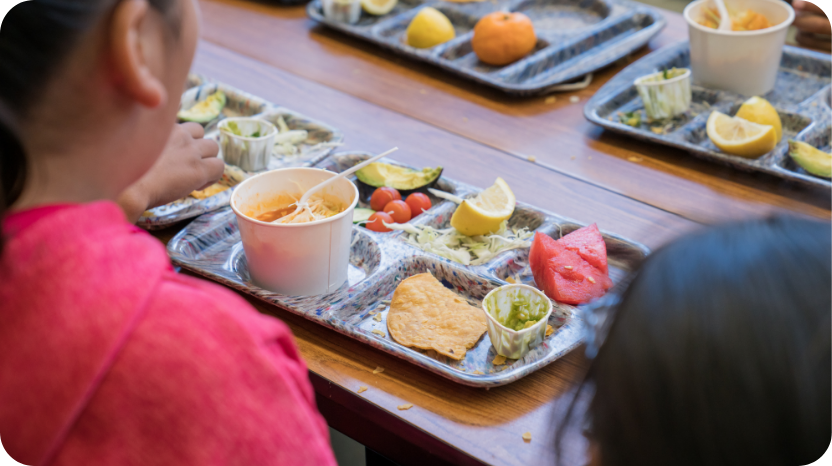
column 572, row 47
column 343, row 160
column 366, row 21
column 559, row 16
column 394, row 31
column 524, row 216
column 818, row 138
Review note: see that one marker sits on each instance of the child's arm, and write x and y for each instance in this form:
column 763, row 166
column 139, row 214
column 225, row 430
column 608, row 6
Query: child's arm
column 188, row 163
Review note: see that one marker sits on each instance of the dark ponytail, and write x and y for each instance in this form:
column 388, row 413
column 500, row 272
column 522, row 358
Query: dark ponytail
column 35, row 37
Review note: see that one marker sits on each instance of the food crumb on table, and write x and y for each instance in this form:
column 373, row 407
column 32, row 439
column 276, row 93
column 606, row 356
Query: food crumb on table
column 572, row 158
column 378, row 370
column 405, row 407
column 499, row 360
column 551, row 99
column 465, row 119
column 574, row 99
column 527, row 437
column 423, row 92
column 633, row 158
column 362, row 389
column 532, row 159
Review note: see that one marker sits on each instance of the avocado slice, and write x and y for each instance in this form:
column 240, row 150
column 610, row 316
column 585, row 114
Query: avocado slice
column 380, row 174
column 812, row 160
column 205, row 111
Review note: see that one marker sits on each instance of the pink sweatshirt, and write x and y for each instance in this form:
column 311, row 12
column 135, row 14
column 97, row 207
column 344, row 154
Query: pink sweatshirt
column 109, row 357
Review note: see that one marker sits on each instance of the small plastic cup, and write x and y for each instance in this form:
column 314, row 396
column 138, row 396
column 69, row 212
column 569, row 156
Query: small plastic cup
column 664, row 98
column 745, row 62
column 250, row 154
column 514, row 344
column 301, row 259
column 342, row 11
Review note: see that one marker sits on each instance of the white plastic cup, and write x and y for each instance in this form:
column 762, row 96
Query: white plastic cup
column 250, row 154
column 664, row 98
column 745, row 62
column 515, row 344
column 302, row 259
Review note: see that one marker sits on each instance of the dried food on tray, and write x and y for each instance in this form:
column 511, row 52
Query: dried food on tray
column 426, row 315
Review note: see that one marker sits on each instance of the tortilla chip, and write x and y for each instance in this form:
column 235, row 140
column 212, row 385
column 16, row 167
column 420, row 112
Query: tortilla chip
column 362, row 389
column 231, row 176
column 426, row 315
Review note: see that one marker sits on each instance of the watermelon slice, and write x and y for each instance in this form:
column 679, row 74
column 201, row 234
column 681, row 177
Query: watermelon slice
column 563, row 274
column 589, row 244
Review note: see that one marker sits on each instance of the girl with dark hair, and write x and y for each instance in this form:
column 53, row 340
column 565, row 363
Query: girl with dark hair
column 108, row 356
column 718, row 353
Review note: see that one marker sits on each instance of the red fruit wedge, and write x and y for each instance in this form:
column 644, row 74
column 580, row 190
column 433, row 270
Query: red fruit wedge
column 563, row 274
column 589, row 244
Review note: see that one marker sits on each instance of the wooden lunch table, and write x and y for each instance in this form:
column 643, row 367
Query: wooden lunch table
column 549, row 155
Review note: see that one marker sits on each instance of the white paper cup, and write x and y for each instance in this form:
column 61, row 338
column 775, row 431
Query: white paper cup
column 664, row 98
column 250, row 154
column 745, row 62
column 511, row 343
column 302, row 259
column 342, row 11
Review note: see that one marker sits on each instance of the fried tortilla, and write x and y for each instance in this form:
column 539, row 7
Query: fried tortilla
column 232, row 176
column 426, row 315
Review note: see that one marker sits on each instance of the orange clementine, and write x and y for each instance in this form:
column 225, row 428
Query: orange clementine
column 501, row 38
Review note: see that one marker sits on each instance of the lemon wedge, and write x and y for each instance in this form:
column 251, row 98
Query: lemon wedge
column 760, row 111
column 378, row 7
column 484, row 214
column 737, row 136
column 429, row 28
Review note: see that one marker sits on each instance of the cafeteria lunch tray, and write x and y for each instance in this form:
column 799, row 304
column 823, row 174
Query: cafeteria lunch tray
column 211, row 246
column 801, row 96
column 574, row 38
column 320, row 142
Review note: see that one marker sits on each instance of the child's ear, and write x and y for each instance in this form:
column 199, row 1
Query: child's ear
column 136, row 46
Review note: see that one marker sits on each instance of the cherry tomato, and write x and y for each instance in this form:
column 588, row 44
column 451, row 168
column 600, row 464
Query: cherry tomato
column 399, row 210
column 382, row 196
column 375, row 222
column 418, row 203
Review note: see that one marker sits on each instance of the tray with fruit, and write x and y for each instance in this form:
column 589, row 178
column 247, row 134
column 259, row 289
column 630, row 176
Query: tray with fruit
column 784, row 133
column 300, row 141
column 416, row 284
column 521, row 47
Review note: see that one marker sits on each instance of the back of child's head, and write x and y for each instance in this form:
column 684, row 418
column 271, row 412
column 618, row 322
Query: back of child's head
column 44, row 100
column 719, row 352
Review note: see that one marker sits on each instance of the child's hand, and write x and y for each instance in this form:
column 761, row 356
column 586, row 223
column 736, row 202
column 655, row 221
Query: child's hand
column 812, row 26
column 188, row 163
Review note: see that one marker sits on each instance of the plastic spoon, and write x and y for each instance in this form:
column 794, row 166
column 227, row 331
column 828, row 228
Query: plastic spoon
column 724, row 20
column 302, row 203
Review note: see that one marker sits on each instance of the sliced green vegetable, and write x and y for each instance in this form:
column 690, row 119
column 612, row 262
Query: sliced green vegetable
column 361, row 214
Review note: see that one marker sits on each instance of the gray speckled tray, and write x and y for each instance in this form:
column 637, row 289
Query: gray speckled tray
column 240, row 103
column 575, row 37
column 801, row 97
column 211, row 246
